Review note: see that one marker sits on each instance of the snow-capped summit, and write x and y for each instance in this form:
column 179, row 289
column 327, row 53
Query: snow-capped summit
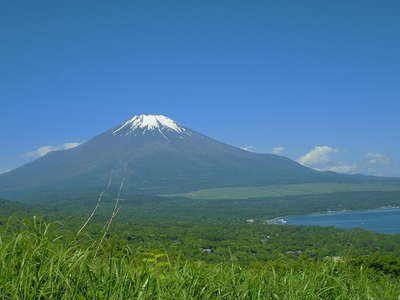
column 148, row 123
column 153, row 154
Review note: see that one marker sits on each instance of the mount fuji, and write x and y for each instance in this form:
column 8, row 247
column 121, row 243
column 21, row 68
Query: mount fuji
column 154, row 154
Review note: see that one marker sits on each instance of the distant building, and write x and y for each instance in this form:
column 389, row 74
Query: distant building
column 207, row 250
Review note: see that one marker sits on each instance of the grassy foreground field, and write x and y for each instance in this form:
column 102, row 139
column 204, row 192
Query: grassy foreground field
column 39, row 263
column 284, row 190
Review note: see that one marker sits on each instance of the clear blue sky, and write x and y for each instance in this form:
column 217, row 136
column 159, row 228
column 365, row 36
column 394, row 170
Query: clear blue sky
column 295, row 74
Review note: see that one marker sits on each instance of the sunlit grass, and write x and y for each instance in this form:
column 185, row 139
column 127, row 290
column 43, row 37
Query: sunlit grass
column 284, row 190
column 37, row 262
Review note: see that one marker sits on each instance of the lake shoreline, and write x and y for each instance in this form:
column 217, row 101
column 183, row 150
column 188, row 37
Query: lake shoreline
column 331, row 212
column 383, row 220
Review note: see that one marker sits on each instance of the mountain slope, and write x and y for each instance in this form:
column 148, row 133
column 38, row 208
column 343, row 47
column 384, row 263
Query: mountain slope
column 154, row 154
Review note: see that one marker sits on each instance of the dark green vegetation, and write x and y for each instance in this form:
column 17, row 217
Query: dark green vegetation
column 39, row 261
column 174, row 210
column 179, row 248
column 14, row 208
column 183, row 226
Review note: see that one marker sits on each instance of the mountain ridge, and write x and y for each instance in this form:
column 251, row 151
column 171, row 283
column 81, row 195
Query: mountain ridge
column 155, row 154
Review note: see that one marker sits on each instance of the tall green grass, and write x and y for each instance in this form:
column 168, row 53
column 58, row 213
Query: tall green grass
column 38, row 262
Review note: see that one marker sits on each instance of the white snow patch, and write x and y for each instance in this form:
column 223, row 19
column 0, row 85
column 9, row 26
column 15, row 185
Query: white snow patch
column 150, row 122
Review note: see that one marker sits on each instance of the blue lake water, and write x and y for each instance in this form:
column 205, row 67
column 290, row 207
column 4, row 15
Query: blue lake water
column 379, row 220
